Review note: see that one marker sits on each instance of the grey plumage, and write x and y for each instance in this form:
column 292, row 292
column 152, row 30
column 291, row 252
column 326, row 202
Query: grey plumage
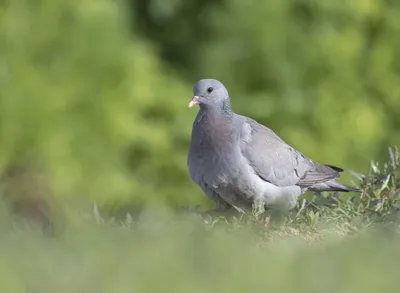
column 236, row 160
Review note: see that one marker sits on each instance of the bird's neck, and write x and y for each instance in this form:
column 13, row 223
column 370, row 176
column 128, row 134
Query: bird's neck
column 224, row 110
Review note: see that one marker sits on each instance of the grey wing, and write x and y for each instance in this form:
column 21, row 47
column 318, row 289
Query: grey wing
column 278, row 163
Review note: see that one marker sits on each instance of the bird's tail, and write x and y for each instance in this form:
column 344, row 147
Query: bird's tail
column 333, row 185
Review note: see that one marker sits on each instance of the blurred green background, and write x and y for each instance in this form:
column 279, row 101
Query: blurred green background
column 95, row 93
column 93, row 106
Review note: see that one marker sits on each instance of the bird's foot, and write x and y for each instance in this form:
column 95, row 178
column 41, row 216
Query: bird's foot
column 258, row 209
column 266, row 222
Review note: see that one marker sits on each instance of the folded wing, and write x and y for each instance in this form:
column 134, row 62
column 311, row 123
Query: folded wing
column 275, row 161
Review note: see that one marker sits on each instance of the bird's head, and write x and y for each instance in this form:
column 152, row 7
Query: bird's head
column 209, row 93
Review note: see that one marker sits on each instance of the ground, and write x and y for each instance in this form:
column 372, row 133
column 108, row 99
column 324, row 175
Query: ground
column 328, row 243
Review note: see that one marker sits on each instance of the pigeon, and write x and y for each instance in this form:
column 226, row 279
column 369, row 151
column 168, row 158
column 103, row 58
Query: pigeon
column 236, row 160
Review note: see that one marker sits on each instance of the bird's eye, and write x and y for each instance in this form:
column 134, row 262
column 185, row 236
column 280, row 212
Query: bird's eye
column 210, row 89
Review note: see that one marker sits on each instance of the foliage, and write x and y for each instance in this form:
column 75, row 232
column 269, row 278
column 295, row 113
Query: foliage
column 160, row 251
column 93, row 98
column 95, row 93
column 78, row 96
column 378, row 201
column 323, row 75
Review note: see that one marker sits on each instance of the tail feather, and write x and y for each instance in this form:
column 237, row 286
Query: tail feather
column 337, row 169
column 333, row 185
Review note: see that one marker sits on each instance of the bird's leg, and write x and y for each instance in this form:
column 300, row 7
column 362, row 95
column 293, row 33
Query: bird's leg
column 267, row 214
column 258, row 208
column 266, row 222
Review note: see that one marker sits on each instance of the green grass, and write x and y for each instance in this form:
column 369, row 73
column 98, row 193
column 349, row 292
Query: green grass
column 327, row 244
column 162, row 252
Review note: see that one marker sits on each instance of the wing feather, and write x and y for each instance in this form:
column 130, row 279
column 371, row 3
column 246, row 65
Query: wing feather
column 277, row 162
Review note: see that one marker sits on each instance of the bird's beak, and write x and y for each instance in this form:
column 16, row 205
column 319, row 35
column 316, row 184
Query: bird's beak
column 194, row 101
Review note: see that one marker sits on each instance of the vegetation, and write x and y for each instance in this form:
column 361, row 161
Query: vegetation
column 352, row 246
column 94, row 130
column 96, row 94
